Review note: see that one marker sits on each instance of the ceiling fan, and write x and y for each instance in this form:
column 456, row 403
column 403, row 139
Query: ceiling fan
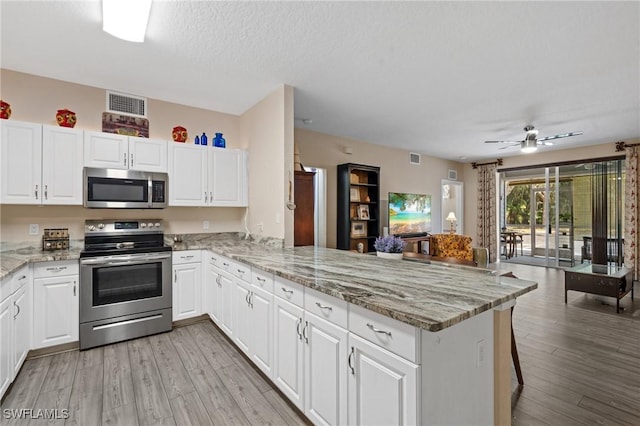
column 531, row 141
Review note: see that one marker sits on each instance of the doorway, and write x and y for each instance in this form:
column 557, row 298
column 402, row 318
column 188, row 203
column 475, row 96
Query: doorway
column 546, row 213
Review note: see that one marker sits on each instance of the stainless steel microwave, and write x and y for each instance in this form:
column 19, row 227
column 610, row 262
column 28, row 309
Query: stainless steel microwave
column 124, row 189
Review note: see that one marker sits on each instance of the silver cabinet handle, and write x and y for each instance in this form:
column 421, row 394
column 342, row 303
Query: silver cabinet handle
column 36, row 192
column 17, row 306
column 56, row 268
column 211, row 196
column 304, row 332
column 131, row 161
column 262, row 280
column 376, row 330
column 287, row 291
column 225, row 264
column 206, row 197
column 125, row 159
column 321, row 306
column 240, row 271
column 175, row 276
column 351, row 354
column 298, row 328
column 189, row 257
column 74, row 289
column 46, row 192
column 246, row 298
column 218, row 281
column 251, row 300
column 22, row 278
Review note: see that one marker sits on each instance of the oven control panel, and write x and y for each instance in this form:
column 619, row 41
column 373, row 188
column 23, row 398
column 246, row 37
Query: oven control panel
column 103, row 226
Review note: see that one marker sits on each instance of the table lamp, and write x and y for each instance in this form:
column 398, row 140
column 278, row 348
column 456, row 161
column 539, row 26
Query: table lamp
column 452, row 218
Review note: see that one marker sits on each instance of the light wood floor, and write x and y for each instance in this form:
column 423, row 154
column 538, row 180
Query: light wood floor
column 189, row 376
column 580, row 361
column 581, row 366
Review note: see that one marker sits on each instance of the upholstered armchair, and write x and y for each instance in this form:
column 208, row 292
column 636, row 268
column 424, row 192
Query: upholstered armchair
column 451, row 245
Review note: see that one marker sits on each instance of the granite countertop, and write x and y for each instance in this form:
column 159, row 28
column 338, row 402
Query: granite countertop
column 428, row 296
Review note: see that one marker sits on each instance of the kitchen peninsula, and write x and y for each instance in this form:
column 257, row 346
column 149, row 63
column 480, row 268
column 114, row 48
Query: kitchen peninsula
column 420, row 343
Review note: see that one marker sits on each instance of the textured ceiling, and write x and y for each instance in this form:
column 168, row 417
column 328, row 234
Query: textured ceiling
column 437, row 78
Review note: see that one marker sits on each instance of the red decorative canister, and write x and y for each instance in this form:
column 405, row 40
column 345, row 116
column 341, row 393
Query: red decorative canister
column 66, row 118
column 180, row 134
column 5, row 110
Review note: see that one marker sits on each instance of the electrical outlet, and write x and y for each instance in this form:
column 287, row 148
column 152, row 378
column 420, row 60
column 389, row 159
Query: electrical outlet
column 34, row 229
column 205, row 224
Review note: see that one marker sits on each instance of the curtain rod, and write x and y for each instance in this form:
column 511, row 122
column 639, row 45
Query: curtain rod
column 620, row 146
column 497, row 162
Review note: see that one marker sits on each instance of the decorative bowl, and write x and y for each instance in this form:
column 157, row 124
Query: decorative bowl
column 179, row 134
column 66, row 118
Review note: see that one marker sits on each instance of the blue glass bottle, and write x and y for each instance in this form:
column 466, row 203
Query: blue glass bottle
column 219, row 141
column 197, row 142
column 203, row 139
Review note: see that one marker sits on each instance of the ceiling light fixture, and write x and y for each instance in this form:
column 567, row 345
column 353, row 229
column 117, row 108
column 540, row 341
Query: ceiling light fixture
column 528, row 146
column 126, row 19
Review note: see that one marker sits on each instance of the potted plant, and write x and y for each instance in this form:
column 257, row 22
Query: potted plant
column 390, row 247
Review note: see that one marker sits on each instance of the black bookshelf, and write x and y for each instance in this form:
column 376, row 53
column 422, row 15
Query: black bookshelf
column 358, row 219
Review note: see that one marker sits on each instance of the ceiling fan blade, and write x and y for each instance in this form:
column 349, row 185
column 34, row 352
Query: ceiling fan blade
column 559, row 136
column 503, row 142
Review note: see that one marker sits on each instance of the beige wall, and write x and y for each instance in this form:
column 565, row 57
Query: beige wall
column 265, row 131
column 396, row 174
column 547, row 157
column 36, row 99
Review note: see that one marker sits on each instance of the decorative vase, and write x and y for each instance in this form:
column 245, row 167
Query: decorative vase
column 66, row 118
column 180, row 134
column 203, row 139
column 219, row 141
column 384, row 255
column 5, row 110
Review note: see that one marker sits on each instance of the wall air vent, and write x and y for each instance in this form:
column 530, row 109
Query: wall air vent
column 121, row 103
column 414, row 158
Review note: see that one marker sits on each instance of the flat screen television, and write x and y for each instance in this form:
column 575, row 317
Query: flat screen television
column 409, row 214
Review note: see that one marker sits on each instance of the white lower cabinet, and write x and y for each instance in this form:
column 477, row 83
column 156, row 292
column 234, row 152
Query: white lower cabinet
column 383, row 387
column 55, row 303
column 325, row 371
column 15, row 325
column 288, row 344
column 187, row 282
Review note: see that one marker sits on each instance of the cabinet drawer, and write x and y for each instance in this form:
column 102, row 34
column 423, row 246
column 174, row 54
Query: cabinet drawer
column 52, row 269
column 186, row 256
column 397, row 337
column 225, row 264
column 328, row 307
column 241, row 271
column 261, row 279
column 289, row 291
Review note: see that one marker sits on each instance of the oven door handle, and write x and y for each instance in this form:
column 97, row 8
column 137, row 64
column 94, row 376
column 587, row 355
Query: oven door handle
column 123, row 260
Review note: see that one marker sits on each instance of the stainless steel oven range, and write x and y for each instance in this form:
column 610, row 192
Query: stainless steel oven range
column 125, row 281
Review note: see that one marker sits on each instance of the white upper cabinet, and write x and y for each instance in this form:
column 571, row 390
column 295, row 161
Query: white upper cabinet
column 113, row 151
column 228, row 177
column 41, row 164
column 204, row 176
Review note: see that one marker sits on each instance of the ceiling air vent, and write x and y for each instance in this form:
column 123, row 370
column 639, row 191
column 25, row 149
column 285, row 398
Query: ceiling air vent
column 126, row 104
column 414, row 158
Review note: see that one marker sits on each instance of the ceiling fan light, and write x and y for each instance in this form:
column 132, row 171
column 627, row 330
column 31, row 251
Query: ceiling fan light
column 528, row 146
column 125, row 19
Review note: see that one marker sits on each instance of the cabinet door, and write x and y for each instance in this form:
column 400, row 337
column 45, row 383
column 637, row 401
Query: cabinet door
column 226, row 304
column 210, row 292
column 227, row 183
column 55, row 310
column 186, row 291
column 107, row 150
column 62, row 165
column 288, row 347
column 148, row 154
column 383, row 388
column 325, row 369
column 241, row 315
column 21, row 175
column 6, row 344
column 262, row 329
column 21, row 326
column 187, row 175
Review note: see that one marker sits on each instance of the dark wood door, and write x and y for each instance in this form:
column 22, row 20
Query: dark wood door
column 303, row 217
